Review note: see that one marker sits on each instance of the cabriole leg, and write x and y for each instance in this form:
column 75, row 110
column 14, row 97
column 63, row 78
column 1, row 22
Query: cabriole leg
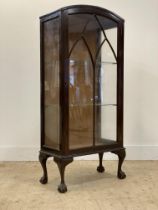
column 43, row 159
column 100, row 168
column 121, row 156
column 62, row 163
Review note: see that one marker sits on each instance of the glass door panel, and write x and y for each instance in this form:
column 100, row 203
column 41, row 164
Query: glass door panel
column 82, row 47
column 106, row 86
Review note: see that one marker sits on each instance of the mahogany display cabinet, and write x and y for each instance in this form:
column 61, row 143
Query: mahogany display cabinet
column 82, row 49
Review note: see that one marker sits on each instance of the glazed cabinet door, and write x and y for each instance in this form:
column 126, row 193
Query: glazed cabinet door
column 92, row 41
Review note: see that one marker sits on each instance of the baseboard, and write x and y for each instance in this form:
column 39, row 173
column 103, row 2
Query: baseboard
column 31, row 153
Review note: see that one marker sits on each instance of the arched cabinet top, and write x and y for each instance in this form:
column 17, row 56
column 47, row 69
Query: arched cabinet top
column 81, row 9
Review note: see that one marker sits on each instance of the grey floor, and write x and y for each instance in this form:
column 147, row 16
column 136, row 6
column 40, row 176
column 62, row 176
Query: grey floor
column 87, row 189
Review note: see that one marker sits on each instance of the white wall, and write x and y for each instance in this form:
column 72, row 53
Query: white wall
column 19, row 75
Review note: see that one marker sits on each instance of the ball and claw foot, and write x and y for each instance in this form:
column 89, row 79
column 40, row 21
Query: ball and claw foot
column 43, row 159
column 43, row 180
column 62, row 163
column 121, row 156
column 121, row 175
column 100, row 169
column 62, row 188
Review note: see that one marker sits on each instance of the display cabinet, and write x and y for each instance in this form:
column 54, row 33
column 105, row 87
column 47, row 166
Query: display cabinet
column 81, row 86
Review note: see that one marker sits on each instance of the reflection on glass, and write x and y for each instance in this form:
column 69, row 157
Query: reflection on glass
column 51, row 83
column 80, row 104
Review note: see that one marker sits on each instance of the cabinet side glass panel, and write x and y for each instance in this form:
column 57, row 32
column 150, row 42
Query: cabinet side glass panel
column 106, row 84
column 51, row 84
